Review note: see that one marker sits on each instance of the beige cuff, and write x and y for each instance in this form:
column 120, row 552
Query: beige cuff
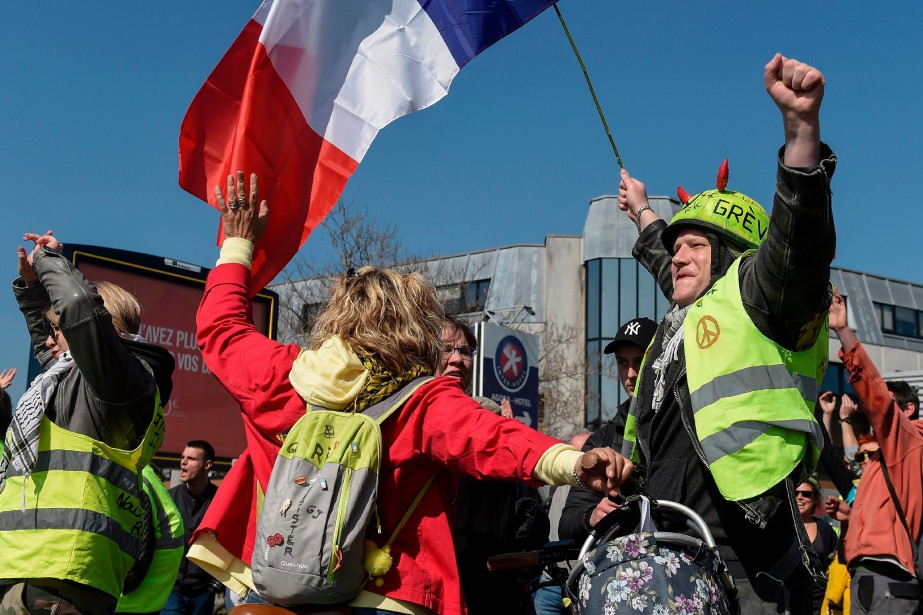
column 213, row 558
column 556, row 465
column 236, row 250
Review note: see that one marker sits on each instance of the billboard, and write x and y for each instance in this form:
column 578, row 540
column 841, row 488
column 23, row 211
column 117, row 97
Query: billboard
column 507, row 368
column 169, row 292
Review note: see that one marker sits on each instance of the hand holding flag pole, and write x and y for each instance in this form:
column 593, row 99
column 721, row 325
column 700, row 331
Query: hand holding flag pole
column 589, row 83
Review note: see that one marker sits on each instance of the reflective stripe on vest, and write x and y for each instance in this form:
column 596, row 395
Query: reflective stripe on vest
column 76, row 516
column 753, row 399
column 748, row 379
column 153, row 592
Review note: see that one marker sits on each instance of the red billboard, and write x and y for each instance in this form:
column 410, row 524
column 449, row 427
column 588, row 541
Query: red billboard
column 169, row 292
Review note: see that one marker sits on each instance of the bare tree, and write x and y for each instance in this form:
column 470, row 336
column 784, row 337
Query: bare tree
column 354, row 238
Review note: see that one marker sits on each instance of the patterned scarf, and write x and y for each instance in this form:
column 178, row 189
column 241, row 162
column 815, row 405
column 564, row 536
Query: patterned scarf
column 381, row 383
column 21, row 448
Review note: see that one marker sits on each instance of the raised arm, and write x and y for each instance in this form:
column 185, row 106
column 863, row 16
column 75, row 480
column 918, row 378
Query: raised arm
column 797, row 89
column 112, row 372
column 648, row 250
column 242, row 358
column 33, row 301
column 785, row 287
column 893, row 429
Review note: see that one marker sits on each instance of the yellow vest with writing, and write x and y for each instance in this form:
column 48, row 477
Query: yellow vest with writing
column 168, row 529
column 77, row 516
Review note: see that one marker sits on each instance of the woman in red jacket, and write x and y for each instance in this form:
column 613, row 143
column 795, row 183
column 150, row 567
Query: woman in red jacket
column 380, row 330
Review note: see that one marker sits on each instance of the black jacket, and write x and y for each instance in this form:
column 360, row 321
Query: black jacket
column 110, row 395
column 496, row 517
column 784, row 287
column 575, row 518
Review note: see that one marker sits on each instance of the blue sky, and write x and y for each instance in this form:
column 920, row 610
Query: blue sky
column 94, row 95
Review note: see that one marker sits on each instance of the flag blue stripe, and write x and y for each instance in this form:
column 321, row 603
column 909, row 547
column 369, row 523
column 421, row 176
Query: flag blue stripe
column 471, row 26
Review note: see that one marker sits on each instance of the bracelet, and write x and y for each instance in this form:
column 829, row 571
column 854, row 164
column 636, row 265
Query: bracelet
column 638, row 215
column 578, row 483
column 847, row 420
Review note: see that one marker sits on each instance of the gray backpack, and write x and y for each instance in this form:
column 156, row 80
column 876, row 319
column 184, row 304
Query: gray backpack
column 320, row 499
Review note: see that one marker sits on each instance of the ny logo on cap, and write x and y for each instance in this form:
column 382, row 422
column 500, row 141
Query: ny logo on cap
column 632, row 327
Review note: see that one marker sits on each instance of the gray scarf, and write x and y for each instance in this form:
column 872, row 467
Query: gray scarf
column 672, row 338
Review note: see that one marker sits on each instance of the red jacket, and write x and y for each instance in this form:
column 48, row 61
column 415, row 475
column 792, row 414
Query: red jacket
column 439, row 430
column 874, row 528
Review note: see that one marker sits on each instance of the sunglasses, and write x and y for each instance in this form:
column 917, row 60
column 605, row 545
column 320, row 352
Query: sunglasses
column 52, row 329
column 863, row 456
column 805, row 493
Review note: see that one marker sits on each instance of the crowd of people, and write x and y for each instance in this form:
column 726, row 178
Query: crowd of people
column 732, row 426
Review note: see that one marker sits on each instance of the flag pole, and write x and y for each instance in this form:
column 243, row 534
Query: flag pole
column 589, row 83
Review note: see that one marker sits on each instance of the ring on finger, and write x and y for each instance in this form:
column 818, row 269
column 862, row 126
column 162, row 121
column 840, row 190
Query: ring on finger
column 234, row 205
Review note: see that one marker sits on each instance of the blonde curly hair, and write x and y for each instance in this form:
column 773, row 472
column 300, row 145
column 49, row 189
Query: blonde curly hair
column 394, row 317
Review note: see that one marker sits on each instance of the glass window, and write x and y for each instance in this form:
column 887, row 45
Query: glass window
column 905, row 321
column 609, row 387
column 592, row 299
column 309, row 314
column 611, row 292
column 629, row 289
column 885, row 317
column 647, row 295
column 593, row 410
column 450, row 297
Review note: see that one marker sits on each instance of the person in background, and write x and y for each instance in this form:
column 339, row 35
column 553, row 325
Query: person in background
column 192, row 592
column 878, row 549
column 823, row 539
column 79, row 438
column 583, row 510
column 839, row 580
column 154, row 576
column 548, row 599
column 491, row 516
column 6, row 404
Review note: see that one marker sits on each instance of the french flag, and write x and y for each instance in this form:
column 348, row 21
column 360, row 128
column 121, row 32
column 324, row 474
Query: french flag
column 308, row 84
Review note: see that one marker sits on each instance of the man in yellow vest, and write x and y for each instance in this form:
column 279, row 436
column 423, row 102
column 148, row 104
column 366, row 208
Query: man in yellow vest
column 157, row 573
column 722, row 418
column 70, row 511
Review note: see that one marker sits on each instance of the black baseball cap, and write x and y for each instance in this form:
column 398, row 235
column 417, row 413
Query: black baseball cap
column 637, row 331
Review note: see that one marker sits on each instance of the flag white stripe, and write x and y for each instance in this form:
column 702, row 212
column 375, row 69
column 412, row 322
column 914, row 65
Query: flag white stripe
column 381, row 59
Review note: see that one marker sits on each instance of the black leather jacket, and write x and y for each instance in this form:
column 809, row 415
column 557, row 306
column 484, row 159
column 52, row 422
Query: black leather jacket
column 110, row 396
column 784, row 287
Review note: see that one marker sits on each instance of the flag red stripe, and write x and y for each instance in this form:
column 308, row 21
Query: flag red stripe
column 248, row 120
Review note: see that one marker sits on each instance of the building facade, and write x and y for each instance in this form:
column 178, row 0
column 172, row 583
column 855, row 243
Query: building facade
column 575, row 290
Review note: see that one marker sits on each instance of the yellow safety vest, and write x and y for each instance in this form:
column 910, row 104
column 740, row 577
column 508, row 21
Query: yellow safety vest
column 77, row 515
column 154, row 590
column 753, row 399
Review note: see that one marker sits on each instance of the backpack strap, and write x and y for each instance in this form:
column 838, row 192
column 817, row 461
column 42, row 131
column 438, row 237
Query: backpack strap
column 383, row 409
column 410, row 509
